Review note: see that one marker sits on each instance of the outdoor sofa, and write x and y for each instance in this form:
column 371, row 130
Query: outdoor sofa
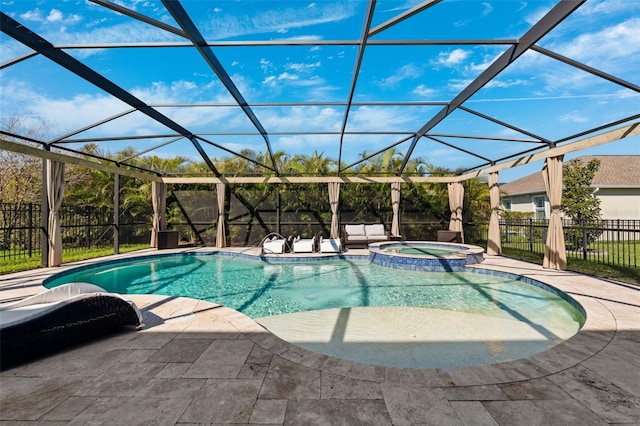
column 60, row 318
column 361, row 235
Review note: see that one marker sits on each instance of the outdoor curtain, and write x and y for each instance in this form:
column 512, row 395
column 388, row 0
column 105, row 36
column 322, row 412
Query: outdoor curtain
column 494, row 246
column 334, row 198
column 555, row 256
column 395, row 204
column 55, row 192
column 456, row 198
column 221, row 238
column 159, row 201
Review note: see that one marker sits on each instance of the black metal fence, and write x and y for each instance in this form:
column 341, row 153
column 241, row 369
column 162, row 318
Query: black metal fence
column 82, row 228
column 19, row 230
column 613, row 242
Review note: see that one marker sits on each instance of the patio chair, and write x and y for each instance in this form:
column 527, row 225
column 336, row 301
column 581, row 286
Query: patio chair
column 330, row 245
column 275, row 245
column 304, row 245
column 60, row 318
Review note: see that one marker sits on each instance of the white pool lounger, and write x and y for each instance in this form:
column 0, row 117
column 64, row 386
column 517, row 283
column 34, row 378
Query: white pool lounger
column 330, row 245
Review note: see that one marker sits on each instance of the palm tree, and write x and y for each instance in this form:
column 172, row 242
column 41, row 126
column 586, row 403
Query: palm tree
column 315, row 164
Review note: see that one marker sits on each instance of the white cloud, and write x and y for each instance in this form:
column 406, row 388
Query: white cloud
column 321, row 91
column 80, row 110
column 405, row 72
column 54, row 16
column 309, row 37
column 606, row 7
column 96, row 22
column 574, row 117
column 440, row 155
column 422, row 90
column 298, row 67
column 379, row 119
column 541, row 96
column 458, row 84
column 305, row 142
column 619, row 42
column 62, row 114
column 487, row 8
column 183, row 85
column 298, row 74
column 287, row 76
column 289, row 119
column 32, row 15
column 455, row 57
column 265, row 64
column 269, row 80
column 487, row 60
column 507, row 83
column 536, row 15
column 296, row 16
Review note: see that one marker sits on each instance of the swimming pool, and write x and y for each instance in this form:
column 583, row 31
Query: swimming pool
column 263, row 289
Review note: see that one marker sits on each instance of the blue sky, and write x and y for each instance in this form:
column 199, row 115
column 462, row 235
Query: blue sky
column 536, row 93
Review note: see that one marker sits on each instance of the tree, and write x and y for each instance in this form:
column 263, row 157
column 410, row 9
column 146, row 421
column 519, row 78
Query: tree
column 579, row 204
column 21, row 174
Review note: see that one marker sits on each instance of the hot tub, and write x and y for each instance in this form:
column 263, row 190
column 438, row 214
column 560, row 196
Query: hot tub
column 425, row 255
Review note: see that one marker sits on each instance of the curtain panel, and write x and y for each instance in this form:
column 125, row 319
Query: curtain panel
column 456, row 199
column 221, row 236
column 555, row 255
column 55, row 193
column 159, row 201
column 494, row 246
column 395, row 204
column 334, row 198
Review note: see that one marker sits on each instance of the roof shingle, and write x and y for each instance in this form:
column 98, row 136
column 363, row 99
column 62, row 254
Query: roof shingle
column 614, row 171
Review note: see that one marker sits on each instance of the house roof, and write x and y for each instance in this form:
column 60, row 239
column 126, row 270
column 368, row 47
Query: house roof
column 614, row 171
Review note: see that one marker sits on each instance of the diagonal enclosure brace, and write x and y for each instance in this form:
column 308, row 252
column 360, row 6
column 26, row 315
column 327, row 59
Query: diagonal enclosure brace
column 539, row 30
column 193, row 34
column 356, row 73
column 27, row 37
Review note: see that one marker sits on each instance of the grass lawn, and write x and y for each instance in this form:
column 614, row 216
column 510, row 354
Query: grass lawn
column 627, row 274
column 33, row 262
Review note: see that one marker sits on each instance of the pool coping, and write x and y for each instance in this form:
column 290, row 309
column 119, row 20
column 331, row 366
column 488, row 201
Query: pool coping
column 596, row 333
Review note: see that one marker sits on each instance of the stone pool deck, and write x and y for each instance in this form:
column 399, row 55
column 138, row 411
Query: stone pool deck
column 200, row 363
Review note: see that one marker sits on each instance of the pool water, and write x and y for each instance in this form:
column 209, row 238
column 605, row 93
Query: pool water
column 261, row 289
column 355, row 309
